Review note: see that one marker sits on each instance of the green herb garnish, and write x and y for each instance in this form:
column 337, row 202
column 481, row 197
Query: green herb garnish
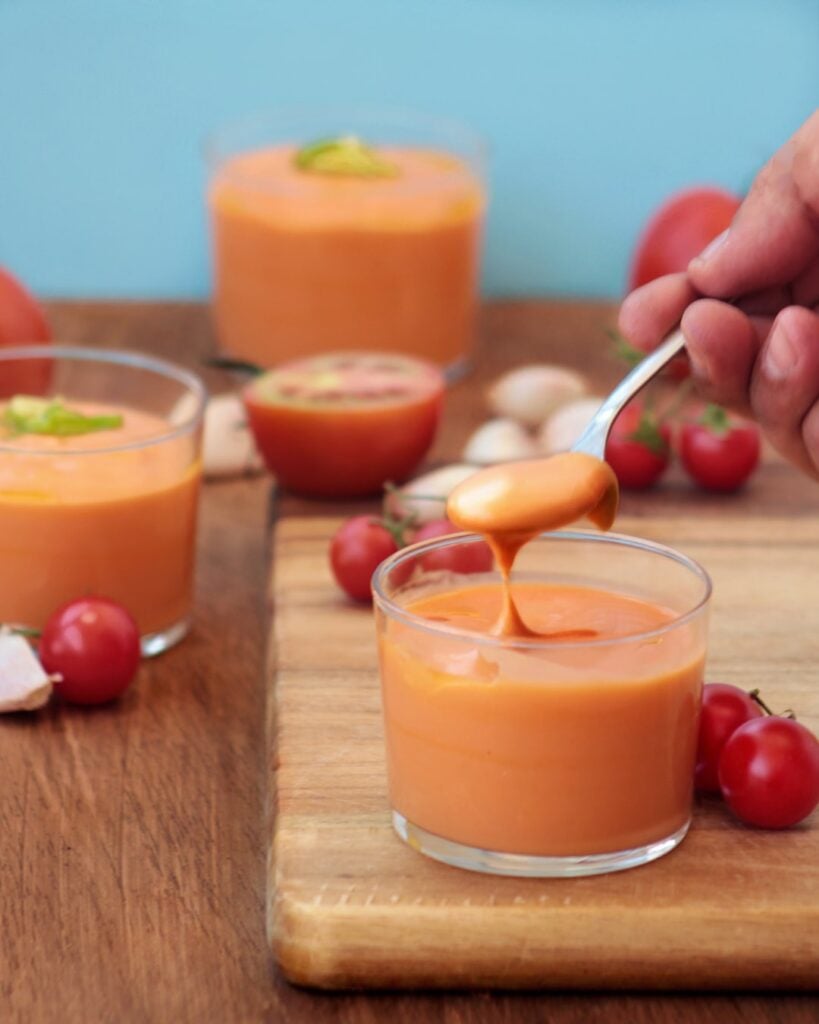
column 346, row 156
column 26, row 414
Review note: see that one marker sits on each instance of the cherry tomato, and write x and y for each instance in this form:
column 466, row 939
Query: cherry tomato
column 724, row 709
column 638, row 448
column 719, row 453
column 93, row 643
column 461, row 558
column 769, row 772
column 679, row 230
column 340, row 426
column 359, row 546
column 22, row 322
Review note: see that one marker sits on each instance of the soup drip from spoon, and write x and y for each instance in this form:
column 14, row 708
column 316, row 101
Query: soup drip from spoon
column 513, row 502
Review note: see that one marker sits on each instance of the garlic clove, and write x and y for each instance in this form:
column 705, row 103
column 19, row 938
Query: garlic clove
column 24, row 684
column 227, row 443
column 424, row 498
column 563, row 428
column 529, row 394
column 499, row 440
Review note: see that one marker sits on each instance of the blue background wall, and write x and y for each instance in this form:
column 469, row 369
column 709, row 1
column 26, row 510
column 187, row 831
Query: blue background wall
column 596, row 109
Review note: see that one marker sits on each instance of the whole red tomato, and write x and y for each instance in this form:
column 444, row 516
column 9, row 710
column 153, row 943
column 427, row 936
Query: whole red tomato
column 358, row 547
column 471, row 556
column 717, row 452
column 769, row 772
column 93, row 644
column 638, row 448
column 724, row 709
column 342, row 425
column 679, row 230
column 22, row 322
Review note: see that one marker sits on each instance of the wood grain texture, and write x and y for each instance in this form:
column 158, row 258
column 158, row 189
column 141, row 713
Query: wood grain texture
column 352, row 906
column 132, row 839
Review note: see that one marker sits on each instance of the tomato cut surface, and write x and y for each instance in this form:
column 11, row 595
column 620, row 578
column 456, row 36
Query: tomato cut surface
column 342, row 425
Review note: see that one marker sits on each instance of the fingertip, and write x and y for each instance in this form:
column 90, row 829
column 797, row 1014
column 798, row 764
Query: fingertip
column 648, row 313
column 722, row 345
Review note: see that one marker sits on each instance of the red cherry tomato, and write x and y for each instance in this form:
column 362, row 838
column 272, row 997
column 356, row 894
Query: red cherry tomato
column 474, row 556
column 719, row 453
column 22, row 322
column 679, row 230
column 724, row 709
column 638, row 448
column 93, row 643
column 341, row 426
column 769, row 772
column 359, row 546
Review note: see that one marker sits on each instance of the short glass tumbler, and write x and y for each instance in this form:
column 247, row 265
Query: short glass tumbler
column 538, row 757
column 306, row 264
column 109, row 513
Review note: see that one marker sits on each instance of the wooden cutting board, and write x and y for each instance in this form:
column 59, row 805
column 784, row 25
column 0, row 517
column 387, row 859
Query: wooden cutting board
column 350, row 905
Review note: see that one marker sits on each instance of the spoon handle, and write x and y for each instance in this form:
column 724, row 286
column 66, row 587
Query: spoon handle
column 593, row 439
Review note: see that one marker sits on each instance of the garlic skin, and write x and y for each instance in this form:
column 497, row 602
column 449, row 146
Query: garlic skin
column 564, row 427
column 500, row 440
column 24, row 684
column 424, row 498
column 227, row 443
column 530, row 394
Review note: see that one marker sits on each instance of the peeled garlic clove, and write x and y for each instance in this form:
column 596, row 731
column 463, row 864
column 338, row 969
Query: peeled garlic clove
column 500, row 440
column 564, row 427
column 529, row 394
column 424, row 498
column 227, row 443
column 24, row 684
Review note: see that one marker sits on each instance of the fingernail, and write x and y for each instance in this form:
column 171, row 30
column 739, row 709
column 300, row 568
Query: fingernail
column 712, row 247
column 781, row 355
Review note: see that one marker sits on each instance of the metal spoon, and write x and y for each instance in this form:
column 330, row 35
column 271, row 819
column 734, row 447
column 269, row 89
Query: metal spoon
column 593, row 439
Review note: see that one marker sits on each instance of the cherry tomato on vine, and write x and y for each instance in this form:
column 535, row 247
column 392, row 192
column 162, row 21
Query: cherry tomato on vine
column 717, row 452
column 769, row 772
column 638, row 448
column 93, row 643
column 358, row 547
column 724, row 709
column 474, row 556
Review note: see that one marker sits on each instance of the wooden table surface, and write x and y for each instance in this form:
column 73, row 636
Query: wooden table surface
column 132, row 837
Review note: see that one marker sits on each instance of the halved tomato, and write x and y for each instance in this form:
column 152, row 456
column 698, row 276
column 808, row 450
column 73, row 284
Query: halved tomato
column 342, row 425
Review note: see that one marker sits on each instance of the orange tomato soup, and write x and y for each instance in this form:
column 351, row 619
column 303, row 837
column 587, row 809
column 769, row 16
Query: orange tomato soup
column 76, row 519
column 307, row 263
column 547, row 749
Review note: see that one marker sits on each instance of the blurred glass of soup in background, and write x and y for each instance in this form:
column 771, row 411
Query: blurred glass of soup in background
column 383, row 257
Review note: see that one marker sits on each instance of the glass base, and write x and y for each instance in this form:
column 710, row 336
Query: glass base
column 524, row 866
column 155, row 643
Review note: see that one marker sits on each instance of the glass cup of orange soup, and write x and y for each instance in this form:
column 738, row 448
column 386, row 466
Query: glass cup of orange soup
column 568, row 753
column 306, row 263
column 110, row 512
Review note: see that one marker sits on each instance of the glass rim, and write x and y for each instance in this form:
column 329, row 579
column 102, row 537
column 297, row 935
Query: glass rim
column 396, row 611
column 120, row 357
column 214, row 151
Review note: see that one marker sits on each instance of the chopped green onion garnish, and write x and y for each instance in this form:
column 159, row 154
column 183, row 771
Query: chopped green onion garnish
column 25, row 414
column 346, row 156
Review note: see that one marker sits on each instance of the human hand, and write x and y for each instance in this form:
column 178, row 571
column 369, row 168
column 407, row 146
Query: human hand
column 759, row 355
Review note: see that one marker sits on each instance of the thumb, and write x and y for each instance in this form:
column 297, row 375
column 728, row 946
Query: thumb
column 775, row 234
